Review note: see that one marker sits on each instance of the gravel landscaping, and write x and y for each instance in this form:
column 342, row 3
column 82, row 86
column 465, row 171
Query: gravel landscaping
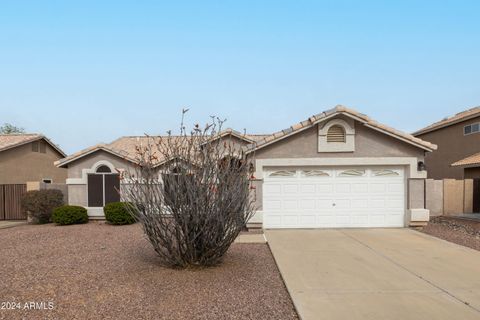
column 98, row 271
column 459, row 231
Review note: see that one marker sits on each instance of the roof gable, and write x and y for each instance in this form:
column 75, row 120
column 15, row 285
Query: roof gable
column 341, row 110
column 9, row 141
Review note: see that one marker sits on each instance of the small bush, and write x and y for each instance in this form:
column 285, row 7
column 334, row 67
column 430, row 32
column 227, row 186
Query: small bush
column 40, row 203
column 118, row 213
column 70, row 215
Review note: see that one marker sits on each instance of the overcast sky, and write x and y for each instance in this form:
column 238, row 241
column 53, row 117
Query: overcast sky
column 84, row 72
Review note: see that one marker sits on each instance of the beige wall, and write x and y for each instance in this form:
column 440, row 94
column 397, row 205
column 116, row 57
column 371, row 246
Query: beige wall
column 77, row 193
column 434, row 196
column 75, row 168
column 416, row 193
column 368, row 143
column 453, row 199
column 21, row 164
column 468, row 196
column 452, row 146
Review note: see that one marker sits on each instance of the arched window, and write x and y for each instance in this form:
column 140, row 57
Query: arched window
column 103, row 169
column 336, row 133
column 103, row 186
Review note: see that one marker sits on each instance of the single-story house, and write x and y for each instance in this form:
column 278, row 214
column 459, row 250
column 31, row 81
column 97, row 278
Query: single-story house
column 458, row 141
column 338, row 168
column 25, row 158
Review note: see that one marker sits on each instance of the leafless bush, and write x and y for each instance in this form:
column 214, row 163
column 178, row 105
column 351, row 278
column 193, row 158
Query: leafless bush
column 191, row 193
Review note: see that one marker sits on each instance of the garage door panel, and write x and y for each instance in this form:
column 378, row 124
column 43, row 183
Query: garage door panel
column 363, row 198
column 307, row 188
column 377, row 203
column 290, row 205
column 394, row 188
column 377, row 188
column 308, row 220
column 325, row 188
column 289, row 189
column 307, row 204
column 360, row 203
column 342, row 188
column 360, row 187
column 272, row 205
column 272, row 189
column 394, row 203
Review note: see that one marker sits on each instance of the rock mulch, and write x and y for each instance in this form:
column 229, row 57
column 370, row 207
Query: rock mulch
column 459, row 231
column 98, row 271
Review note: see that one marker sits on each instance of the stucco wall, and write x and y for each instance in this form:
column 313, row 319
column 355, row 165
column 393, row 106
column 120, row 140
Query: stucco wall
column 77, row 192
column 416, row 193
column 434, row 196
column 75, row 168
column 368, row 143
column 77, row 195
column 452, row 146
column 21, row 164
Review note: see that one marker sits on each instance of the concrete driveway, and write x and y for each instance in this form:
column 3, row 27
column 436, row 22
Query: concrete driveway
column 377, row 274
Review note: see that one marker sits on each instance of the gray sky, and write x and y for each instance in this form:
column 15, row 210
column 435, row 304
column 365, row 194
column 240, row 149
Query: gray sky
column 88, row 72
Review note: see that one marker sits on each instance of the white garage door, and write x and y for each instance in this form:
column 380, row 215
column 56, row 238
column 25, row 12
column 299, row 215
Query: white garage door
column 334, row 198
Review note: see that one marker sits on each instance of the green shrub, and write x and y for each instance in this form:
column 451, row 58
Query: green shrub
column 70, row 215
column 118, row 213
column 39, row 204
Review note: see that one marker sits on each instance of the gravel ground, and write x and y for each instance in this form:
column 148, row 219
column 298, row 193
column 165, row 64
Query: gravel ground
column 459, row 231
column 98, row 271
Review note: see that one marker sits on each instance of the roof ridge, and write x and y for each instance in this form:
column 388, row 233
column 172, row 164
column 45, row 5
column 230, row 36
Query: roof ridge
column 340, row 109
column 457, row 117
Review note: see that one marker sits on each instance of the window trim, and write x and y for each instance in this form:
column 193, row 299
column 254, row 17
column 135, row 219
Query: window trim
column 471, row 128
column 103, row 174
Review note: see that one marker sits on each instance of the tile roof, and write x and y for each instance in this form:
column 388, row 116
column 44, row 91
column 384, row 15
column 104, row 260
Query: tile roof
column 459, row 117
column 8, row 141
column 346, row 111
column 473, row 160
column 125, row 147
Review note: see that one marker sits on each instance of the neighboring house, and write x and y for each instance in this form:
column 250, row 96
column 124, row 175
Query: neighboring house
column 25, row 158
column 29, row 157
column 458, row 140
column 336, row 169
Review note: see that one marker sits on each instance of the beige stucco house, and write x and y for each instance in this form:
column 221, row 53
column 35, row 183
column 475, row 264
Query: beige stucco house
column 29, row 157
column 335, row 169
column 458, row 140
column 25, row 158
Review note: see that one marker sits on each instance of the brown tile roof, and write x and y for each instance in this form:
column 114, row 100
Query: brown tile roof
column 348, row 112
column 459, row 117
column 8, row 141
column 473, row 160
column 125, row 147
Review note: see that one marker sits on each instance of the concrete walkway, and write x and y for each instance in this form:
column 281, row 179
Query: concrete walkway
column 377, row 274
column 10, row 223
column 251, row 238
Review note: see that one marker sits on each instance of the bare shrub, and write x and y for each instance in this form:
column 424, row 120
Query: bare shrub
column 191, row 193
